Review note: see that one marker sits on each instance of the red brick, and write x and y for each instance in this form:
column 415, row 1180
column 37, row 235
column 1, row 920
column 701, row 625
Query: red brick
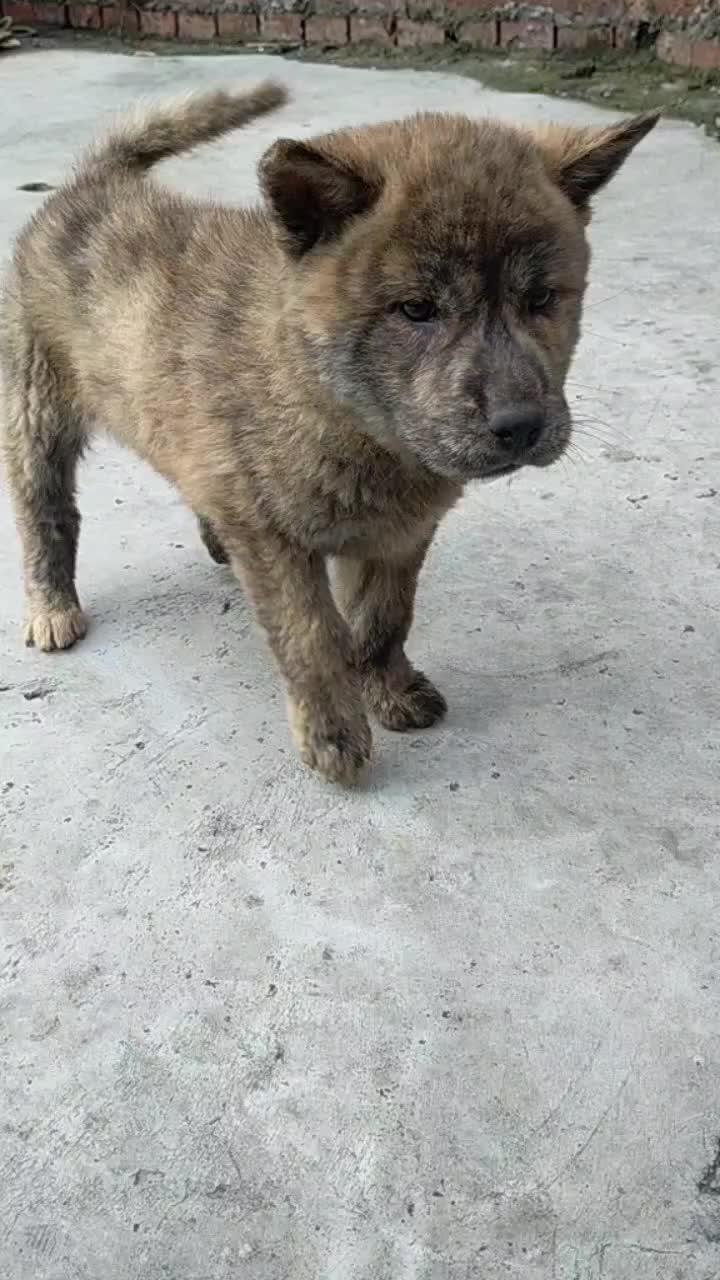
column 625, row 35
column 674, row 47
column 673, row 8
column 482, row 35
column 472, row 6
column 411, row 35
column 374, row 10
column 331, row 32
column 237, row 26
column 592, row 11
column 155, row 22
column 25, row 13
column 368, row 31
column 117, row 18
column 423, row 10
column 86, row 16
column 193, row 26
column 527, row 35
column 281, row 26
column 705, row 55
column 583, row 37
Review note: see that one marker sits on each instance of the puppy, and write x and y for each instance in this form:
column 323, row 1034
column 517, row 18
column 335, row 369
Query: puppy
column 319, row 377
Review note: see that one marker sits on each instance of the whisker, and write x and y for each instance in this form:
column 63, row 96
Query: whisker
column 592, row 403
column 592, row 386
column 603, row 442
column 575, row 454
column 594, row 420
column 605, row 337
column 589, row 390
column 610, row 298
column 597, row 437
column 591, row 416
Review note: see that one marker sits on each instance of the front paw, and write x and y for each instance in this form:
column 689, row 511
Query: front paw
column 55, row 628
column 416, row 704
column 337, row 746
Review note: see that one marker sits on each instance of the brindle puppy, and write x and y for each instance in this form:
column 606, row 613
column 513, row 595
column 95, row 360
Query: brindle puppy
column 319, row 377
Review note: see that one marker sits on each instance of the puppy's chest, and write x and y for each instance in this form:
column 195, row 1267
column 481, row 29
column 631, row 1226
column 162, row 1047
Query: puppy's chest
column 370, row 510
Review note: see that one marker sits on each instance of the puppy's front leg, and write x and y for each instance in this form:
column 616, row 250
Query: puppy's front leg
column 378, row 598
column 313, row 647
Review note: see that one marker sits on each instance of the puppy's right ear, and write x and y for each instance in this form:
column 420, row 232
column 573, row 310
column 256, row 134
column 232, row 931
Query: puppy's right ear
column 312, row 195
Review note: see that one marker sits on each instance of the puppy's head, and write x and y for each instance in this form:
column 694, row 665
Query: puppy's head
column 437, row 271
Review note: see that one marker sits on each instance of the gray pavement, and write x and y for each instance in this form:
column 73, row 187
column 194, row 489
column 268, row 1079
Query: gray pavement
column 463, row 1024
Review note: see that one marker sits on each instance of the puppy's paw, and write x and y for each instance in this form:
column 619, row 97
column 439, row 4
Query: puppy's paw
column 50, row 629
column 415, row 705
column 338, row 748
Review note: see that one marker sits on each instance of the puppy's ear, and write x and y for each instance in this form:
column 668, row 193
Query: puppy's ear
column 312, row 194
column 581, row 161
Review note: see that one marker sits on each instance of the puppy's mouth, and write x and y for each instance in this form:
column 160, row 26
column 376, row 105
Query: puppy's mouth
column 540, row 458
column 549, row 449
column 486, row 471
column 497, row 473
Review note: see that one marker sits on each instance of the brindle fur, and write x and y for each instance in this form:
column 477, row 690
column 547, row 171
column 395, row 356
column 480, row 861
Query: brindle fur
column 260, row 360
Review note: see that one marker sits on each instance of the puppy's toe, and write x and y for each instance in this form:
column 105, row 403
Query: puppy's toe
column 50, row 629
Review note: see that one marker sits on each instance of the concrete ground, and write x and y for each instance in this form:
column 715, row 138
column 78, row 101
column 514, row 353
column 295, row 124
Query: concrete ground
column 463, row 1024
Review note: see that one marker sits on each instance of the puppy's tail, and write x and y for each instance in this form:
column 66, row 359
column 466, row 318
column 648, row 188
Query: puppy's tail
column 141, row 140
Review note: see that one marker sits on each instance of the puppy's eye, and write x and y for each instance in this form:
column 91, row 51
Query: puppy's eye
column 419, row 311
column 541, row 300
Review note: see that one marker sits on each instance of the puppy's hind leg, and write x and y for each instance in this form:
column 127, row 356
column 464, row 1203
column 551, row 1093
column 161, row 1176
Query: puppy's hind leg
column 43, row 438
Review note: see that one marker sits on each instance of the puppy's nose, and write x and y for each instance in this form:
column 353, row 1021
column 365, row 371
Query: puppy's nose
column 518, row 428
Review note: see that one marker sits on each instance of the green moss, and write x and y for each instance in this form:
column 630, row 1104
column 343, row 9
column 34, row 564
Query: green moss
column 621, row 81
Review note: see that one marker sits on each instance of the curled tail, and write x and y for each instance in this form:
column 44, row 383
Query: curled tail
column 141, row 140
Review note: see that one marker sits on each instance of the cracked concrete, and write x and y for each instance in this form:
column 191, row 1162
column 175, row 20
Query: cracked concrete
column 462, row 1024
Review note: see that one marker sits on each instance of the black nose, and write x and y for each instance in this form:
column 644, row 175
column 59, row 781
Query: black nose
column 519, row 428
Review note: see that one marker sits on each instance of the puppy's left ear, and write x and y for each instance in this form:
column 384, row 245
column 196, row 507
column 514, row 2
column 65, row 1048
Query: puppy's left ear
column 581, row 161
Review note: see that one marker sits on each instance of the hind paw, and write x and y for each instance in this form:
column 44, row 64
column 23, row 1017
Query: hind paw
column 416, row 705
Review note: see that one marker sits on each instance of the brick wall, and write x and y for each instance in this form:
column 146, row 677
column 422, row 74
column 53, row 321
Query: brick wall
column 682, row 31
